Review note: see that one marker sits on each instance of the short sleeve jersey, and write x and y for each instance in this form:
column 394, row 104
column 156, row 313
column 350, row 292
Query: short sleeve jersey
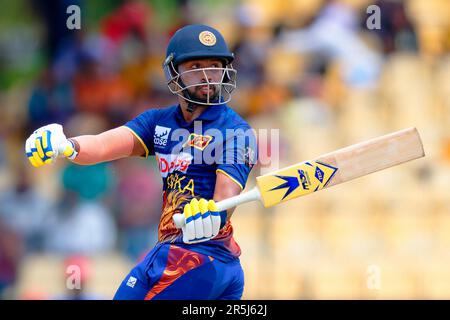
column 189, row 155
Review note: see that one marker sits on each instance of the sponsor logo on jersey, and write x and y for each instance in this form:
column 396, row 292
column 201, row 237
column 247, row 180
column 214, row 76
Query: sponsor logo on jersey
column 169, row 163
column 161, row 136
column 198, row 141
column 131, row 282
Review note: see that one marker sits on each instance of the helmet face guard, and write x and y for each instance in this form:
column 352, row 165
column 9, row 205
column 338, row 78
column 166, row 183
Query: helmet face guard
column 202, row 86
column 218, row 83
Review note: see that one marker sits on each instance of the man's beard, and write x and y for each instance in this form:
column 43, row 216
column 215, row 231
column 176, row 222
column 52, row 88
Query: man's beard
column 196, row 94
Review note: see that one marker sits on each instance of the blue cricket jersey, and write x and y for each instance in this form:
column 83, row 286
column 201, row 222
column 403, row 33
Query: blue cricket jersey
column 189, row 155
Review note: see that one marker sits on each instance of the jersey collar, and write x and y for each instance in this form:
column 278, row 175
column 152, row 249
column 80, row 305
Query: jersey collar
column 213, row 112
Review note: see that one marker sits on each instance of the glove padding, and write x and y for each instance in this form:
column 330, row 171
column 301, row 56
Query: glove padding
column 202, row 220
column 47, row 143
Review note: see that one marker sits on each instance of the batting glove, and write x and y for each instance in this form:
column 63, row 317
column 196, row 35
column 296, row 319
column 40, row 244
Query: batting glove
column 47, row 143
column 202, row 221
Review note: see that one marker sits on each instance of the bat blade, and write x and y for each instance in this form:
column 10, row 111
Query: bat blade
column 340, row 166
column 328, row 170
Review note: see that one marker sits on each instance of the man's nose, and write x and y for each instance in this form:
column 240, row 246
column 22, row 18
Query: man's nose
column 206, row 76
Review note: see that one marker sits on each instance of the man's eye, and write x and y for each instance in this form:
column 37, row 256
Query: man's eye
column 194, row 66
column 214, row 65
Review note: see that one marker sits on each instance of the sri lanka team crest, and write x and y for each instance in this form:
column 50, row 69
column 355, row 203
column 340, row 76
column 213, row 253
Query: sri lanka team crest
column 207, row 38
column 295, row 181
column 197, row 141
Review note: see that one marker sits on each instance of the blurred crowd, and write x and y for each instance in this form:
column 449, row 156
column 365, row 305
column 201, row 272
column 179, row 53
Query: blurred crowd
column 109, row 71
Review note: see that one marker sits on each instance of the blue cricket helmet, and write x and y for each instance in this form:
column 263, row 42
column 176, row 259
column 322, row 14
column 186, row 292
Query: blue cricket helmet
column 199, row 42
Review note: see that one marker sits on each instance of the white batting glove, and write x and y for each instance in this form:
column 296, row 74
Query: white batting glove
column 47, row 143
column 202, row 221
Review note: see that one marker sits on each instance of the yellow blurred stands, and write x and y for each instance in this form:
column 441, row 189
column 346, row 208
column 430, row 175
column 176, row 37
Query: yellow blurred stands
column 328, row 244
column 44, row 276
column 432, row 21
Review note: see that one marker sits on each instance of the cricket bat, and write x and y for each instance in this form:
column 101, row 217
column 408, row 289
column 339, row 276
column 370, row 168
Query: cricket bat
column 329, row 170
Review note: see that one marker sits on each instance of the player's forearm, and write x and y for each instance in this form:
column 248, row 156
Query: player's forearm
column 225, row 188
column 107, row 146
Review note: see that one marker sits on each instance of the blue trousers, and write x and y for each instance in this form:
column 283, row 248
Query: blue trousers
column 174, row 273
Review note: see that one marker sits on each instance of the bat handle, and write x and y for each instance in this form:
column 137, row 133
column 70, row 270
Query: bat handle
column 251, row 195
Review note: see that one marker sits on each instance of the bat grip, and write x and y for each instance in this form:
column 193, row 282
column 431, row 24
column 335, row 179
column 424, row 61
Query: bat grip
column 251, row 195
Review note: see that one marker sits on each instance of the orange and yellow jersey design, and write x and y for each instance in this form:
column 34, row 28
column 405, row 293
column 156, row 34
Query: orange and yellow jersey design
column 189, row 155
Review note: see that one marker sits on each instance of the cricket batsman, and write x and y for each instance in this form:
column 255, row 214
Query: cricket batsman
column 200, row 260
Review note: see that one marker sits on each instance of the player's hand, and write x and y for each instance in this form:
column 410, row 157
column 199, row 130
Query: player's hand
column 47, row 143
column 202, row 221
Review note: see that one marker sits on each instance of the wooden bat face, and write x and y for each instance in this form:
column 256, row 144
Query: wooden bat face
column 340, row 166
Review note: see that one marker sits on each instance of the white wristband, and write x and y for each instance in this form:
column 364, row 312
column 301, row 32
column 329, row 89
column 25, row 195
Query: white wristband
column 75, row 153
